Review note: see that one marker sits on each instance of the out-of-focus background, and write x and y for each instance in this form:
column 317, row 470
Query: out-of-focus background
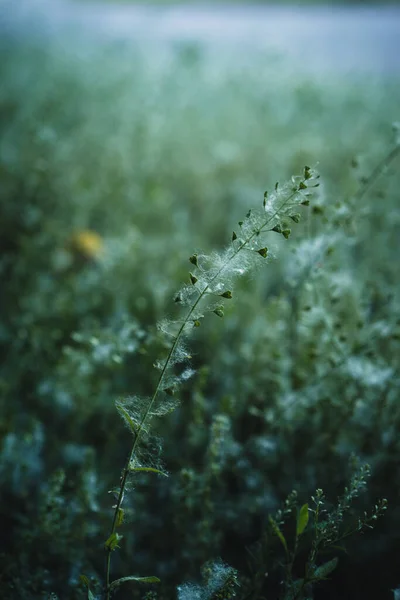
column 131, row 136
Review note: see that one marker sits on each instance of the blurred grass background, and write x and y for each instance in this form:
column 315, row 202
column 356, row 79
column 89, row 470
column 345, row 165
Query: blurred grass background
column 117, row 161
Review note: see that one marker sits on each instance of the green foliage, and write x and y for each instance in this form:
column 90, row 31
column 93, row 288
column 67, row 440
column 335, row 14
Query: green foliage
column 302, row 519
column 215, row 272
column 327, row 530
column 115, row 164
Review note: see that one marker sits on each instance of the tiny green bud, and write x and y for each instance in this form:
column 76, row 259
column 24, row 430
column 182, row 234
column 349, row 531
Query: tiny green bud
column 112, row 542
column 265, row 199
column 227, row 294
column 234, row 236
column 193, row 278
column 318, row 210
column 248, row 214
column 307, row 173
column 302, row 185
column 286, row 233
column 276, row 186
column 219, row 311
column 305, row 203
column 196, row 323
column 178, row 298
column 295, row 217
column 240, row 223
column 277, row 228
column 263, row 252
column 170, row 391
column 193, row 260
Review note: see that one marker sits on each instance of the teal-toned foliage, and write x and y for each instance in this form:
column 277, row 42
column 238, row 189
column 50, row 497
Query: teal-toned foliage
column 117, row 164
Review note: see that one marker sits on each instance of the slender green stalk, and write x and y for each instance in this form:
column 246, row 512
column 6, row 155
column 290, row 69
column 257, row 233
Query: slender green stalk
column 384, row 163
column 256, row 232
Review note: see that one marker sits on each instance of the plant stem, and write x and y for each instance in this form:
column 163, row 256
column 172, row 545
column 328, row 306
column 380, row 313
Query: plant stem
column 126, row 470
column 385, row 162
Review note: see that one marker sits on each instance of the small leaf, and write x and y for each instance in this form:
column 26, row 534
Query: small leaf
column 263, row 252
column 147, row 470
column 307, row 173
column 240, row 223
column 296, row 217
column 302, row 519
column 115, row 584
column 279, row 534
column 276, row 186
column 126, row 416
column 227, row 294
column 295, row 590
column 85, row 581
column 90, row 595
column 193, row 260
column 327, row 568
column 120, row 517
column 112, row 542
column 219, row 311
column 286, row 233
column 302, row 185
column 277, row 228
column 193, row 278
column 178, row 298
column 234, row 236
column 305, row 203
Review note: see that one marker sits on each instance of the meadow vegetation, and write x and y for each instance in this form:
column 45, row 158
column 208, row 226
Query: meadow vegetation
column 266, row 446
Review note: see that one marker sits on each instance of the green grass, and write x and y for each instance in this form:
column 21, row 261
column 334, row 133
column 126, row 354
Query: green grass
column 116, row 165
